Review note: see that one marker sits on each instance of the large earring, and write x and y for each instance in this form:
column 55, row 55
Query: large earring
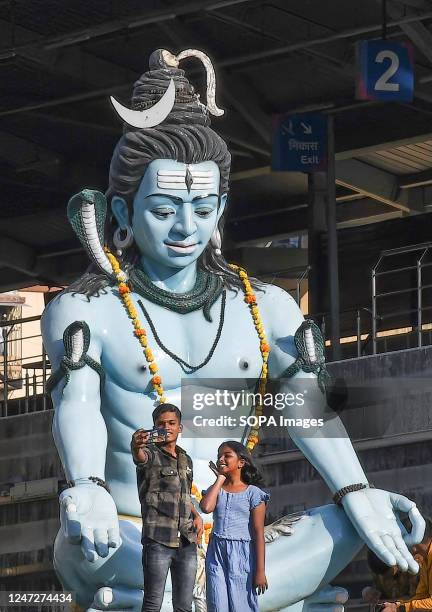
column 123, row 243
column 216, row 241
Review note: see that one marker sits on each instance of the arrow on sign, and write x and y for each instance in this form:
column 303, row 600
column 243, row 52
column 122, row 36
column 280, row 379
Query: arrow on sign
column 288, row 129
column 306, row 128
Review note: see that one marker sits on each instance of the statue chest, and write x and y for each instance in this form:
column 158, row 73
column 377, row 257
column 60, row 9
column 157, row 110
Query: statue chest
column 230, row 350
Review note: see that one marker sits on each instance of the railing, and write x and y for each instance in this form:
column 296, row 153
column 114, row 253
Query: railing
column 27, row 392
column 421, row 253
column 302, row 277
column 357, row 316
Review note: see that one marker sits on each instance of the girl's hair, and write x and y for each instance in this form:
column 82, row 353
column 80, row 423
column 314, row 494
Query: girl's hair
column 249, row 473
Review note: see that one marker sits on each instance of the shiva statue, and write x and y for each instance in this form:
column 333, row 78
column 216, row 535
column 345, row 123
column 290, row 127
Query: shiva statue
column 158, row 304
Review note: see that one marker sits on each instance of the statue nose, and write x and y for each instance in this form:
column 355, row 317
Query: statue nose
column 185, row 223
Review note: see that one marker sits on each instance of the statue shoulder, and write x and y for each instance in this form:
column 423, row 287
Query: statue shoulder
column 280, row 312
column 66, row 308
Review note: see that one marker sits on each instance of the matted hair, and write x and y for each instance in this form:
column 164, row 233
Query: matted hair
column 185, row 136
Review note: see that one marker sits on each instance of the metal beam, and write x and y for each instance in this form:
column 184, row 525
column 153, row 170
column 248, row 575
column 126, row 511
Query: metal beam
column 416, row 179
column 23, row 258
column 24, row 154
column 147, row 17
column 240, row 60
column 75, row 63
column 370, row 181
column 234, row 62
column 383, row 146
column 364, row 212
column 332, row 245
column 244, row 100
column 17, row 256
column 337, row 65
column 292, row 214
column 417, row 32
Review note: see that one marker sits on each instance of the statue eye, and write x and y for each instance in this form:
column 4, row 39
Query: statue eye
column 204, row 212
column 163, row 213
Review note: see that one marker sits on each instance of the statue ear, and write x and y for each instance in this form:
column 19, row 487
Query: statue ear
column 222, row 204
column 120, row 211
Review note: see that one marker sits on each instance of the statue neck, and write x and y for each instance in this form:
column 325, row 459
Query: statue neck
column 177, row 280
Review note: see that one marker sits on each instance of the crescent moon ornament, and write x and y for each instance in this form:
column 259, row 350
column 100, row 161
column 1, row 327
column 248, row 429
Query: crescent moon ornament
column 151, row 116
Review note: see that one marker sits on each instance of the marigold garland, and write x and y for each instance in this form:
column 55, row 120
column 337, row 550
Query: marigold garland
column 156, row 380
column 251, row 301
column 139, row 331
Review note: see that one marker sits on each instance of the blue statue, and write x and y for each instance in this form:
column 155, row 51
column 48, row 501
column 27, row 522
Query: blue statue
column 159, row 304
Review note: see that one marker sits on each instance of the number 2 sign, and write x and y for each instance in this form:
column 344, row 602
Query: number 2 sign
column 385, row 71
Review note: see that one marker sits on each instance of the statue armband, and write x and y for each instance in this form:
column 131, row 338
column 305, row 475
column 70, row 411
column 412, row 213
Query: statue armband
column 310, row 347
column 76, row 340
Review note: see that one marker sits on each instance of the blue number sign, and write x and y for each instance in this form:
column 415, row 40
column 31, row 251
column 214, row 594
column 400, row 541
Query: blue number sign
column 385, row 71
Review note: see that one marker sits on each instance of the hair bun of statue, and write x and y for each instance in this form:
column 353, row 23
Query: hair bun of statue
column 151, row 86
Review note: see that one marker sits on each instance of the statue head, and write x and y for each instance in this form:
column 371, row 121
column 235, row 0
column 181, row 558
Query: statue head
column 174, row 213
column 168, row 178
column 169, row 182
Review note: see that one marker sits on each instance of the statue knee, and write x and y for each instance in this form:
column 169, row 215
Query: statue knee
column 103, row 597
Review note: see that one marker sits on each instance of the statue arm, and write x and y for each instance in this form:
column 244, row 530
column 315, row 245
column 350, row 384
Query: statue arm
column 373, row 512
column 78, row 427
column 329, row 443
column 88, row 513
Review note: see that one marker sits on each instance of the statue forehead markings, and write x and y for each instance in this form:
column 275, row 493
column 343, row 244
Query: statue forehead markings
column 187, row 178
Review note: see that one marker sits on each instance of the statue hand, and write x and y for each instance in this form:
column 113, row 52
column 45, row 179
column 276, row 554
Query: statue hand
column 88, row 516
column 374, row 513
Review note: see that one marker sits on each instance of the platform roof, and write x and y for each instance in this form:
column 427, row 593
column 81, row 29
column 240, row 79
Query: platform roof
column 60, row 61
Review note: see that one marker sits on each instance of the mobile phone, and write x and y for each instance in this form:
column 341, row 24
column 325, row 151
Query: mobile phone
column 156, row 434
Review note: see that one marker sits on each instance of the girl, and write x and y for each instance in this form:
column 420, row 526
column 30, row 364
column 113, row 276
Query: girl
column 235, row 563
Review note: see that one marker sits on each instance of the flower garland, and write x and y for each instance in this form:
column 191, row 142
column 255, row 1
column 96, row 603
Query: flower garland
column 140, row 333
column 251, row 301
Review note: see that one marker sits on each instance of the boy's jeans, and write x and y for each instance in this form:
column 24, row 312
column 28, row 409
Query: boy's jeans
column 157, row 560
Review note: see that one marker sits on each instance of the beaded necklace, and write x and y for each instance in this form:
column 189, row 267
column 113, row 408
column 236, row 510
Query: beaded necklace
column 140, row 333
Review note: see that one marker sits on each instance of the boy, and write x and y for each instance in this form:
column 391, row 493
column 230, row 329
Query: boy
column 171, row 525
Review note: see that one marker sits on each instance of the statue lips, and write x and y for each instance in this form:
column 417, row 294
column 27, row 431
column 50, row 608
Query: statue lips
column 180, row 247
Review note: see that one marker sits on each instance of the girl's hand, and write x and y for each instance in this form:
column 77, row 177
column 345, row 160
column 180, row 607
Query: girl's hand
column 260, row 583
column 215, row 469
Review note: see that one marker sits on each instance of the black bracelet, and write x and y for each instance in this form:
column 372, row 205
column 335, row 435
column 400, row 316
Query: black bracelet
column 95, row 479
column 339, row 495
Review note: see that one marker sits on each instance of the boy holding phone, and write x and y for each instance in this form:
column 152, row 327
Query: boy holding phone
column 171, row 525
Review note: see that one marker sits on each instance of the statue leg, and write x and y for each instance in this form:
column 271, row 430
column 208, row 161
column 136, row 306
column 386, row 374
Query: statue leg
column 328, row 599
column 300, row 565
column 120, row 572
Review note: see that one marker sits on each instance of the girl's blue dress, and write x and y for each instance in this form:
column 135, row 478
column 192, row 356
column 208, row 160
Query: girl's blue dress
column 230, row 560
